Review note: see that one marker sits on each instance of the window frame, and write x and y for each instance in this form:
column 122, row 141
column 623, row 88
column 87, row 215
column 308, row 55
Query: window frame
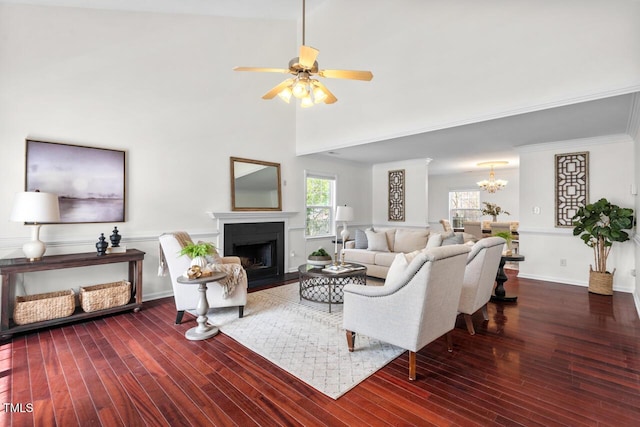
column 332, row 207
column 476, row 212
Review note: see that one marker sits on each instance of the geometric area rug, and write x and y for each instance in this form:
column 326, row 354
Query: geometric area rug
column 304, row 339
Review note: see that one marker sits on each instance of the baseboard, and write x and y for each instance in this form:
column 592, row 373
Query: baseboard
column 565, row 281
column 157, row 295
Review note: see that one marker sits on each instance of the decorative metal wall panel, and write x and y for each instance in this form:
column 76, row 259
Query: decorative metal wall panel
column 396, row 195
column 572, row 186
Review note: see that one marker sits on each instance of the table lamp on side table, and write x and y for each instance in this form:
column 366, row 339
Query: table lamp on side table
column 35, row 208
column 344, row 214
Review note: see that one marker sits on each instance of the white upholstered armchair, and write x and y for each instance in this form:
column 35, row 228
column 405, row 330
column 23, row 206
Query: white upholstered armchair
column 185, row 295
column 479, row 278
column 417, row 304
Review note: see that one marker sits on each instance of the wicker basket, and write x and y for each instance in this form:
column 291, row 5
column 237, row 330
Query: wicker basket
column 41, row 307
column 106, row 295
column 601, row 283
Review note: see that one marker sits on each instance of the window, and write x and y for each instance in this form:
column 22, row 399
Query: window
column 464, row 205
column 320, row 205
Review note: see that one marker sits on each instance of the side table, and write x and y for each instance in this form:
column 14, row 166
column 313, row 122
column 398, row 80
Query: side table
column 501, row 277
column 202, row 331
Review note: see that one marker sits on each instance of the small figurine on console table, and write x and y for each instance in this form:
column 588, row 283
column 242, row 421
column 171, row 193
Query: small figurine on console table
column 101, row 246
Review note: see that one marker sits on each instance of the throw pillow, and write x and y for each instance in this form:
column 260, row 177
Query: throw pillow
column 377, row 241
column 435, row 241
column 411, row 255
column 396, row 270
column 361, row 239
column 455, row 239
column 410, row 240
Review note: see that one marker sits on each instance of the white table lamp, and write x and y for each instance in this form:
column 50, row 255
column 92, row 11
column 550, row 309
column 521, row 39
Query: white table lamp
column 344, row 214
column 35, row 208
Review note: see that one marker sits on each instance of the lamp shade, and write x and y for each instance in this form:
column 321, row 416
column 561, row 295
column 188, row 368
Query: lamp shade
column 344, row 213
column 34, row 206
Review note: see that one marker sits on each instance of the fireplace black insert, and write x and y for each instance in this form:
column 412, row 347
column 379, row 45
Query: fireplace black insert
column 260, row 247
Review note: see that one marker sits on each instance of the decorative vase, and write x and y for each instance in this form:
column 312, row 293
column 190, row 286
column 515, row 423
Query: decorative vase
column 601, row 283
column 101, row 246
column 509, row 247
column 115, row 238
column 200, row 261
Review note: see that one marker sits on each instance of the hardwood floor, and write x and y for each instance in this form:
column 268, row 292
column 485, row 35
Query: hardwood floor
column 559, row 356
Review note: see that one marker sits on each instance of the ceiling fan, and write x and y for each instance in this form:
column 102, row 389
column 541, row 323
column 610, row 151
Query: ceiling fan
column 303, row 68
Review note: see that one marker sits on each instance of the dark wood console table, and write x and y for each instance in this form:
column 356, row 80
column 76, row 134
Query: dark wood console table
column 9, row 267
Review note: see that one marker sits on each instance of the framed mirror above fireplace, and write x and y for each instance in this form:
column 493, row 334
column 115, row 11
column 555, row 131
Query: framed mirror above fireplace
column 255, row 185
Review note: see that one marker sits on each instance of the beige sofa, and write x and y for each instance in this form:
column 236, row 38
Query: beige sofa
column 384, row 243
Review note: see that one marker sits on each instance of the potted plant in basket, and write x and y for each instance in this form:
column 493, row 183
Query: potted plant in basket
column 493, row 210
column 319, row 257
column 599, row 225
column 198, row 252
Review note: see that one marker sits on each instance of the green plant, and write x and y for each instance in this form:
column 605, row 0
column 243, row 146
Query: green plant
column 505, row 235
column 599, row 225
column 493, row 210
column 319, row 252
column 194, row 250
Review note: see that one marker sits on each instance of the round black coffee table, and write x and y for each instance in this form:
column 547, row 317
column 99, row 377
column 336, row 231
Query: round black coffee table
column 326, row 287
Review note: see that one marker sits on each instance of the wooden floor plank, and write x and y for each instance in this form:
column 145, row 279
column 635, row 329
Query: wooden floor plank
column 558, row 357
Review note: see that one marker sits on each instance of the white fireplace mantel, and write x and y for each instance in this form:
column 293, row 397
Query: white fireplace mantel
column 240, row 216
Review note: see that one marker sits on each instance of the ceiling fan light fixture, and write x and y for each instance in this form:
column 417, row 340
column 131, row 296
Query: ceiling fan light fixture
column 303, row 67
column 285, row 94
column 306, row 102
column 319, row 95
column 300, row 88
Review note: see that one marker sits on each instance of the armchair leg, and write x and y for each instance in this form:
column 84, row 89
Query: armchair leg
column 179, row 317
column 485, row 312
column 469, row 322
column 351, row 337
column 412, row 366
column 241, row 311
column 449, row 342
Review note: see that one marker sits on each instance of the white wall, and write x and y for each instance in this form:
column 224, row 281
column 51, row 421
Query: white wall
column 611, row 172
column 440, row 185
column 437, row 64
column 162, row 88
column 634, row 131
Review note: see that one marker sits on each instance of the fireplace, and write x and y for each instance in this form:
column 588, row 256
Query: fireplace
column 260, row 247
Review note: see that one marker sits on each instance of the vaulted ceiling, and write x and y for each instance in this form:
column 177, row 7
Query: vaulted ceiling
column 494, row 139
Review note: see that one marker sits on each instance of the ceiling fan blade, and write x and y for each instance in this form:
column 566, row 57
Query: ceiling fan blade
column 330, row 97
column 308, row 56
column 277, row 89
column 261, row 70
column 346, row 74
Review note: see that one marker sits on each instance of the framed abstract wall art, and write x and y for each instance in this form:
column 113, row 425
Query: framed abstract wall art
column 396, row 195
column 89, row 182
column 572, row 186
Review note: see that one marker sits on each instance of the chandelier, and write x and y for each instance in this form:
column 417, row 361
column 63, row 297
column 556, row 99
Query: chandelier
column 492, row 184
